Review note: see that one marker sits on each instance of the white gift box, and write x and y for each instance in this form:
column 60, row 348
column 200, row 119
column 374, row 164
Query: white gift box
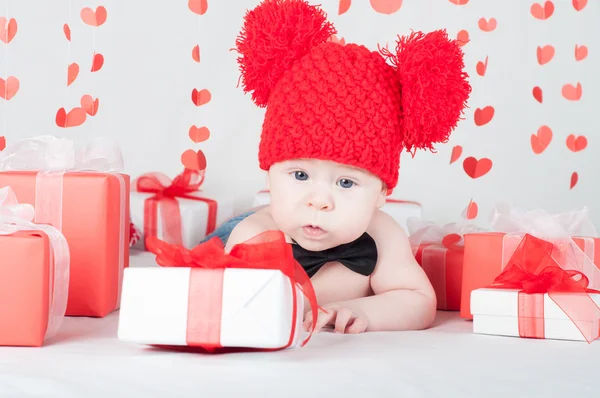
column 255, row 306
column 495, row 312
column 194, row 216
column 400, row 210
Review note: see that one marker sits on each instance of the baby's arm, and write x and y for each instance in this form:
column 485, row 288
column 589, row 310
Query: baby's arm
column 403, row 296
column 248, row 228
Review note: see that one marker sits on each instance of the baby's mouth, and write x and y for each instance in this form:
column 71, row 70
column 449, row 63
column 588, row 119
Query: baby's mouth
column 313, row 230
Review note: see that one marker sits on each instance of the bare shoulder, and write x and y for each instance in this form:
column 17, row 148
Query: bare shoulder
column 396, row 265
column 248, row 228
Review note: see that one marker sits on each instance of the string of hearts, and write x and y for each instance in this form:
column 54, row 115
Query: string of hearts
column 190, row 158
column 9, row 85
column 541, row 140
column 88, row 105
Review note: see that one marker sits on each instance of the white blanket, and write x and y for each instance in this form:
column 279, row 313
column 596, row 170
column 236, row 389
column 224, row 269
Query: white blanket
column 87, row 361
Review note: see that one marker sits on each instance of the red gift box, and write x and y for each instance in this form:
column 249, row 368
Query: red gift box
column 486, row 254
column 440, row 251
column 34, row 276
column 82, row 194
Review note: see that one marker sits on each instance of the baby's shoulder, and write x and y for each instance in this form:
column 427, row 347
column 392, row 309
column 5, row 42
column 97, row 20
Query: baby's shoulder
column 255, row 224
column 384, row 228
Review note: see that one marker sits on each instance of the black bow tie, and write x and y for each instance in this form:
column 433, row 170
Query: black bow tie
column 359, row 256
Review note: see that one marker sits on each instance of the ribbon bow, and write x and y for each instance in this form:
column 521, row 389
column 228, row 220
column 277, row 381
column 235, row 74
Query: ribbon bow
column 164, row 196
column 11, row 208
column 268, row 250
column 533, row 270
column 50, row 153
column 158, row 183
column 17, row 217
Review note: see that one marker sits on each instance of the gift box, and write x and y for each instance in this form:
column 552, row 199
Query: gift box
column 440, row 252
column 34, row 276
column 486, row 253
column 250, row 298
column 400, row 210
column 84, row 195
column 533, row 297
column 176, row 211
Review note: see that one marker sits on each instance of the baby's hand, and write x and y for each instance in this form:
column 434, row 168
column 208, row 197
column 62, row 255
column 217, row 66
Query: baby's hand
column 343, row 319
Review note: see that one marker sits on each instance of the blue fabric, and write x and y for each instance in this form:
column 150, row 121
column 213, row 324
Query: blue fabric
column 224, row 230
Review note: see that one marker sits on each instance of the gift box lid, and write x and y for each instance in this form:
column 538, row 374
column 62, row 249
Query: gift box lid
column 505, row 303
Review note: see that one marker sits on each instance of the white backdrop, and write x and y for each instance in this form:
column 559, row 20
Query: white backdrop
column 145, row 85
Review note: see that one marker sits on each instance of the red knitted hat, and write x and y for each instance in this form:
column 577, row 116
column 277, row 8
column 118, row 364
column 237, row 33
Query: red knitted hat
column 346, row 103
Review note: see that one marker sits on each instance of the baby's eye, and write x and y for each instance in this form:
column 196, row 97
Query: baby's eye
column 346, row 183
column 300, row 175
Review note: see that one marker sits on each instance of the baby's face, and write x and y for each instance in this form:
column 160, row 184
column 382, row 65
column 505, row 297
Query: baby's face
column 321, row 204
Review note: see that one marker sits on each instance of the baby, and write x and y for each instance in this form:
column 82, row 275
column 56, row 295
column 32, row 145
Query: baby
column 337, row 118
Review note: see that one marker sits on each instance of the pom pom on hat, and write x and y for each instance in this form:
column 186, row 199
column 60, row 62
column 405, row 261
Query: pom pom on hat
column 434, row 86
column 274, row 35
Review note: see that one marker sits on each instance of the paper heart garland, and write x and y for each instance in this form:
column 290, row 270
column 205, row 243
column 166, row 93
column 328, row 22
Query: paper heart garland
column 545, row 54
column 74, row 118
column 483, row 116
column 94, row 18
column 9, row 87
column 574, row 179
column 456, row 152
column 572, row 93
column 576, row 144
column 537, row 94
column 89, row 104
column 487, row 25
column 386, row 6
column 542, row 12
column 199, row 134
column 193, row 160
column 541, row 140
column 198, row 6
column 482, row 67
column 201, row 97
column 343, row 6
column 477, row 168
column 8, row 31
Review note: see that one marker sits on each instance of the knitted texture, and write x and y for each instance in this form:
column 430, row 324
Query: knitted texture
column 346, row 103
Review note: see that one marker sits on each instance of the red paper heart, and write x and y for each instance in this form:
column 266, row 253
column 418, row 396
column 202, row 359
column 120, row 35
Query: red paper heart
column 343, row 6
column 67, row 31
column 196, row 53
column 484, row 116
column 386, row 6
column 89, row 104
column 574, row 179
column 579, row 4
column 75, row 117
column 456, row 152
column 199, row 134
column 487, row 25
column 581, row 52
column 537, row 94
column 462, row 37
column 9, row 87
column 451, row 240
column 7, row 33
column 198, row 6
column 97, row 62
column 334, row 39
column 544, row 12
column 482, row 67
column 193, row 160
column 541, row 140
column 575, row 143
column 2, row 143
column 459, row 2
column 72, row 73
column 472, row 210
column 94, row 18
column 572, row 93
column 477, row 168
column 201, row 97
column 545, row 54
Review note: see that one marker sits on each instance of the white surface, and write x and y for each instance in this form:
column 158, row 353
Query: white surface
column 495, row 311
column 87, row 360
column 148, row 75
column 256, row 307
column 401, row 211
column 194, row 216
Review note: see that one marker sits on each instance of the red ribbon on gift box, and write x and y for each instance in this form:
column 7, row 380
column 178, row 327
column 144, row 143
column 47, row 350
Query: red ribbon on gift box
column 533, row 269
column 165, row 195
column 268, row 250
